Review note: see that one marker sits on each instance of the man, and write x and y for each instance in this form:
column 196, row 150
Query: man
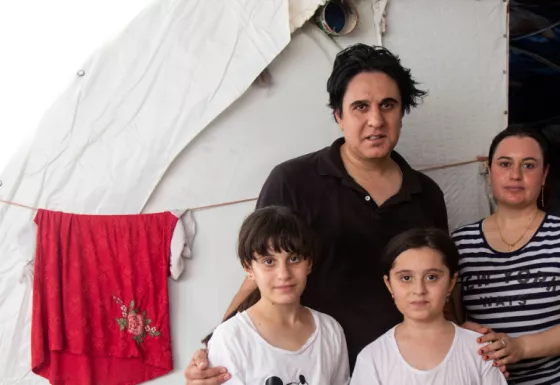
column 356, row 194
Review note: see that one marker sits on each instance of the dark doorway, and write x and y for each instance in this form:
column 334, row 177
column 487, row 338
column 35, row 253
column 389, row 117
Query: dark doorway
column 534, row 90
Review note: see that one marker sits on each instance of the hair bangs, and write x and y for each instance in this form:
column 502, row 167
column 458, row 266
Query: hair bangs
column 274, row 229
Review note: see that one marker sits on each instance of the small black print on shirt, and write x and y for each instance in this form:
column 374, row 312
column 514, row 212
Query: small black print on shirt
column 277, row 381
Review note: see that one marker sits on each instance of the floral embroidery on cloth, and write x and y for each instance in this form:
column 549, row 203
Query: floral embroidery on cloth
column 135, row 322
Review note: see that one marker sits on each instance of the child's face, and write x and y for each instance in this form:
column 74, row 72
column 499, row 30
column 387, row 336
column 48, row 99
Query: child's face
column 420, row 284
column 280, row 277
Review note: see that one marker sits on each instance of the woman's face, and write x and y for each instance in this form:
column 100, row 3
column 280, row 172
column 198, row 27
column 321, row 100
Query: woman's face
column 517, row 172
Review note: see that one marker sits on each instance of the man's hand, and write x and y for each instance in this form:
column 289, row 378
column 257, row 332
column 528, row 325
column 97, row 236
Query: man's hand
column 198, row 372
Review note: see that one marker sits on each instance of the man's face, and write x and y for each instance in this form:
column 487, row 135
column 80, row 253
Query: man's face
column 371, row 118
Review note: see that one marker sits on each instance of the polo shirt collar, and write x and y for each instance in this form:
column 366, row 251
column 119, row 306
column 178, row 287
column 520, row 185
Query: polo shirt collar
column 330, row 164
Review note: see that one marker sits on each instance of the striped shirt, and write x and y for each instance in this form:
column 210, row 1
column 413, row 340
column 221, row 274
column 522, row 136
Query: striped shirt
column 515, row 293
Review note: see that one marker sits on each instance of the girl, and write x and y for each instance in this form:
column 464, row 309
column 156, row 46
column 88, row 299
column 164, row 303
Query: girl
column 420, row 271
column 272, row 339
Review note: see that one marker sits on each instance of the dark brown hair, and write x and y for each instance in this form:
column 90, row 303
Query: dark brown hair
column 435, row 239
column 521, row 131
column 272, row 229
column 360, row 58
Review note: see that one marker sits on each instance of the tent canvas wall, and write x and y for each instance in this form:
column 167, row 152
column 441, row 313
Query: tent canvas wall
column 457, row 51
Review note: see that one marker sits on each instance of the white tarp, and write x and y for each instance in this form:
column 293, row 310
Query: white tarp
column 114, row 162
column 133, row 106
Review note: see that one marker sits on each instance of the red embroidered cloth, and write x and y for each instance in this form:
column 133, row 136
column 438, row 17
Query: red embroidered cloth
column 100, row 302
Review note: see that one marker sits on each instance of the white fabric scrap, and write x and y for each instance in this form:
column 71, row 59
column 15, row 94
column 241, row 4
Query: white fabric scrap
column 27, row 250
column 379, row 19
column 190, row 230
column 301, row 11
column 181, row 242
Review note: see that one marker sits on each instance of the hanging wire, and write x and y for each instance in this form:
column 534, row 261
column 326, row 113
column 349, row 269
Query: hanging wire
column 554, row 25
column 440, row 167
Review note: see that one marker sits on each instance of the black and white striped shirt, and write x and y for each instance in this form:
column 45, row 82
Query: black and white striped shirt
column 515, row 293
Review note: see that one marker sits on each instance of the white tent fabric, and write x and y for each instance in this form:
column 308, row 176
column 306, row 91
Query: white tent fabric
column 143, row 102
column 128, row 113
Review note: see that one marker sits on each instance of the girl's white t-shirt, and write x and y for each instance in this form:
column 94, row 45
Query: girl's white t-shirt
column 381, row 363
column 323, row 360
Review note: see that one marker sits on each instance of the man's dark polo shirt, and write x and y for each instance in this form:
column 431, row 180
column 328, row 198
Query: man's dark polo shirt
column 347, row 281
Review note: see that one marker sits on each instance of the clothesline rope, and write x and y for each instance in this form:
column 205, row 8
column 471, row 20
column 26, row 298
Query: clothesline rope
column 17, row 204
column 479, row 159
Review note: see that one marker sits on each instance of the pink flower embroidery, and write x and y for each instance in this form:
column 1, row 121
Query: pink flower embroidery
column 134, row 322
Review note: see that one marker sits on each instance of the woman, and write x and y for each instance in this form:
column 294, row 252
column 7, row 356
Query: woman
column 510, row 263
